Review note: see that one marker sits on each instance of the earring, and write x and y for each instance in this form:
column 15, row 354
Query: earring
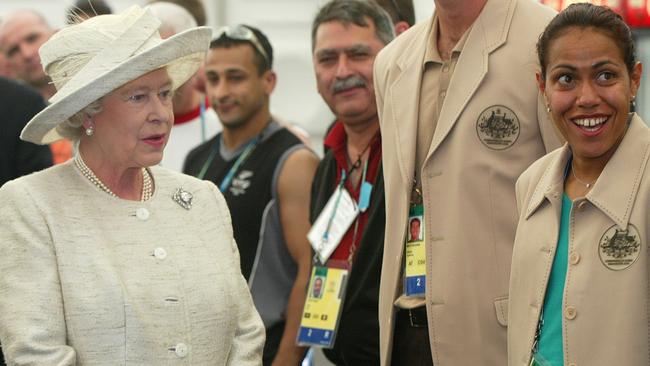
column 548, row 109
column 633, row 104
column 90, row 131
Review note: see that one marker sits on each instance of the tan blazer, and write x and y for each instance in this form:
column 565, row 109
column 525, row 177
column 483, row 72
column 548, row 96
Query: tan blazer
column 492, row 126
column 606, row 295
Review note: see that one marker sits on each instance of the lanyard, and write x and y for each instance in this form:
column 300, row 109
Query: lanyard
column 341, row 187
column 240, row 160
column 202, row 114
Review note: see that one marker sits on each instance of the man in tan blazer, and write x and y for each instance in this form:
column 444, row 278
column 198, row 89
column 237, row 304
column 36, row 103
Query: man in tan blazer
column 461, row 118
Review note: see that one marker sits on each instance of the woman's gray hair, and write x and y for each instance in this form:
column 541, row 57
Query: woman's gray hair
column 72, row 129
column 355, row 12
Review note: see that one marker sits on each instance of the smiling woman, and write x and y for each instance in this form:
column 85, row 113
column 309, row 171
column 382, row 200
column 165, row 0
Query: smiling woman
column 580, row 257
column 109, row 259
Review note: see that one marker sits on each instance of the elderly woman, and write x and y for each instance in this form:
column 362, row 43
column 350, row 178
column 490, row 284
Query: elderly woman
column 579, row 287
column 109, row 259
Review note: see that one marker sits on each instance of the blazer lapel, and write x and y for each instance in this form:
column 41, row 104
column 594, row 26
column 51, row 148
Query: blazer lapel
column 551, row 184
column 403, row 98
column 489, row 31
column 615, row 191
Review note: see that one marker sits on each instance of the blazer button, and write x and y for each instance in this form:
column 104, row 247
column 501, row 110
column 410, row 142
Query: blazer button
column 181, row 350
column 570, row 312
column 142, row 213
column 160, row 253
column 574, row 258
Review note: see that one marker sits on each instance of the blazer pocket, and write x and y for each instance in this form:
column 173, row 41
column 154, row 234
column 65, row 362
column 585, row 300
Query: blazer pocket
column 501, row 308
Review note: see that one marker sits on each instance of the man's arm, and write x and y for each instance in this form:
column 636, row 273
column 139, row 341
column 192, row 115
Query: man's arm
column 294, row 186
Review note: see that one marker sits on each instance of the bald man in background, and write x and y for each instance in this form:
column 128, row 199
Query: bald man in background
column 22, row 32
column 194, row 119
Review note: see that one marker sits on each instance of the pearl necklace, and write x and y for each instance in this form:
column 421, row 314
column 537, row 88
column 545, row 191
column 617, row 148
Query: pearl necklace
column 147, row 185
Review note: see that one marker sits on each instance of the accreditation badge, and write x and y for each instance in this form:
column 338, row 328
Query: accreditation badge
column 332, row 223
column 322, row 311
column 415, row 254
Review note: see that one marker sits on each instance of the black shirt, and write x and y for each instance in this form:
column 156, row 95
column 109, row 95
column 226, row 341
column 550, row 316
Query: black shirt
column 250, row 190
column 18, row 104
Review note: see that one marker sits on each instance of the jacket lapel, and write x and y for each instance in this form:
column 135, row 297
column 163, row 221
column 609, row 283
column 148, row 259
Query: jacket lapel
column 472, row 64
column 615, row 191
column 551, row 184
column 403, row 96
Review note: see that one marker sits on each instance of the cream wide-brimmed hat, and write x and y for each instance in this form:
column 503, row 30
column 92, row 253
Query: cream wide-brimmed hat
column 91, row 59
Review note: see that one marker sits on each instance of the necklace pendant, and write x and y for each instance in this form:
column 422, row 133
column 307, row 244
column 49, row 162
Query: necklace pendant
column 183, row 198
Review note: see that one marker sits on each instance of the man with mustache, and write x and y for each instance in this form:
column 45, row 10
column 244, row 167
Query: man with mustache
column 264, row 172
column 346, row 36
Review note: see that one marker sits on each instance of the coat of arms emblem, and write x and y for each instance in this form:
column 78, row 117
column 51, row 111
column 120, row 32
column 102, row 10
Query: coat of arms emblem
column 498, row 127
column 619, row 248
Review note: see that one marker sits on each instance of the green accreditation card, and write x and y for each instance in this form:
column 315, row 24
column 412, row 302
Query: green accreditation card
column 415, row 267
column 321, row 314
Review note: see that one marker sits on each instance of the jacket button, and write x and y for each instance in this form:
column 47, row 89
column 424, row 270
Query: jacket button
column 181, row 350
column 570, row 312
column 574, row 258
column 582, row 205
column 142, row 213
column 160, row 253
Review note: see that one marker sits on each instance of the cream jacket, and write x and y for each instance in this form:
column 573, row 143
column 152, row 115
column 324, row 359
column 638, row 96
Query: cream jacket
column 89, row 279
column 607, row 290
column 492, row 126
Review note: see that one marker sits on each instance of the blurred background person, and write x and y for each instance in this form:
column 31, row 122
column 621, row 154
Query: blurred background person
column 5, row 69
column 109, row 258
column 265, row 172
column 22, row 33
column 84, row 9
column 579, row 282
column 197, row 9
column 18, row 104
column 402, row 13
column 194, row 7
column 194, row 119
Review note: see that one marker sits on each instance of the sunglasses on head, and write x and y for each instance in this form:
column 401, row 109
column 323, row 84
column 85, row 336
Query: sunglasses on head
column 241, row 33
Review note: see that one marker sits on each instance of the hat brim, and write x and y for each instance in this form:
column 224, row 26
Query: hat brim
column 182, row 55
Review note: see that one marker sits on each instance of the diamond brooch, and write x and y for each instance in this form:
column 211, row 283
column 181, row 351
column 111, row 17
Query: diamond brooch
column 183, row 198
